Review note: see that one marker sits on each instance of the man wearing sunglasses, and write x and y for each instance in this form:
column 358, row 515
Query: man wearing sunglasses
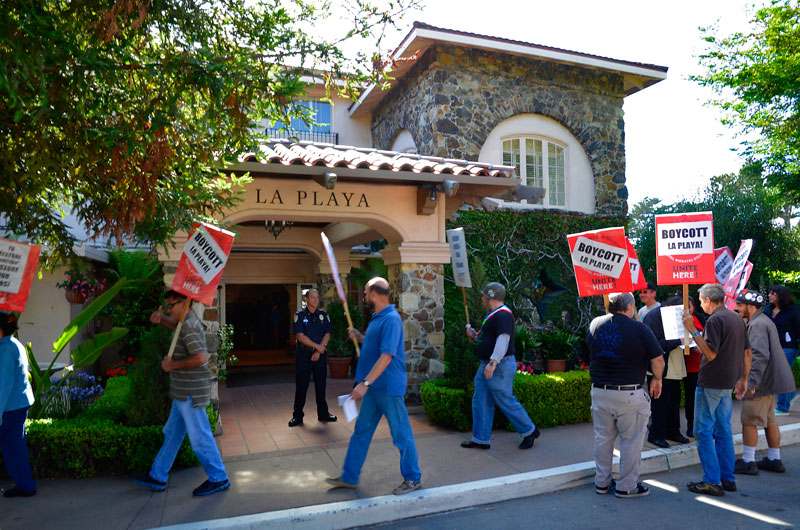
column 190, row 390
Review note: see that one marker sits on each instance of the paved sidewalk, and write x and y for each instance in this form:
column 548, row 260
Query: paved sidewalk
column 294, row 478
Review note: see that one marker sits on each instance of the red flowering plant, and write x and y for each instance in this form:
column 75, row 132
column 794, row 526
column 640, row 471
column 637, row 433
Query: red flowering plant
column 525, row 369
column 79, row 282
column 123, row 367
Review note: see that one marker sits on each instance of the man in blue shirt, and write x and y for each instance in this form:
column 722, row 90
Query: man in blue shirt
column 382, row 381
column 16, row 398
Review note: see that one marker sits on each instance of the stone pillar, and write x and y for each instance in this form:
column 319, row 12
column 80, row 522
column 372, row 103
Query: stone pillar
column 327, row 288
column 418, row 293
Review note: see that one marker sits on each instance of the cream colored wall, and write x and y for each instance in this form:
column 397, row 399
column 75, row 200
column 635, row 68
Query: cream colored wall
column 269, row 268
column 46, row 315
column 579, row 180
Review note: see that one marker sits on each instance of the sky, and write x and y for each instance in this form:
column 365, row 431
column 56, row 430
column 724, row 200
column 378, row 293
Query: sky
column 674, row 142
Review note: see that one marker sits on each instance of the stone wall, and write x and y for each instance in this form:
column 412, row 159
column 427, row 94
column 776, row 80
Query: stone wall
column 454, row 97
column 418, row 294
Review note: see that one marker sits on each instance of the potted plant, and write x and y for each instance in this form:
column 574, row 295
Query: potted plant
column 557, row 346
column 341, row 350
column 79, row 286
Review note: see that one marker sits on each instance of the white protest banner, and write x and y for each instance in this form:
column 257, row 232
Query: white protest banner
column 671, row 319
column 458, row 253
column 326, row 244
column 743, row 278
column 739, row 264
column 18, row 263
column 723, row 263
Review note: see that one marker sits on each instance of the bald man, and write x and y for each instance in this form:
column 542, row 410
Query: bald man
column 382, row 381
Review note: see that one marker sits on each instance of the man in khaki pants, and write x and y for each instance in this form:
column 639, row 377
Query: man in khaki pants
column 622, row 350
column 770, row 375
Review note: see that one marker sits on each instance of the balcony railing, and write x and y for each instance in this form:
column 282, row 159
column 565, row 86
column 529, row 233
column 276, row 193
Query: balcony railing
column 308, row 136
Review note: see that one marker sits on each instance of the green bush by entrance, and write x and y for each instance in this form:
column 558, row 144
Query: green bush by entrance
column 96, row 442
column 549, row 399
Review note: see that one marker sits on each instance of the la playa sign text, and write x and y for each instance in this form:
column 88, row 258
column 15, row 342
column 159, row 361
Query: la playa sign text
column 340, row 199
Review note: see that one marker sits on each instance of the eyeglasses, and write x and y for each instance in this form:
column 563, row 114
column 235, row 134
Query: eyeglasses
column 167, row 307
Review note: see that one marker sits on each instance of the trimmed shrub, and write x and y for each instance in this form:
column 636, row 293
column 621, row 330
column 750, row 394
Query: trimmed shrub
column 796, row 372
column 97, row 443
column 549, row 399
column 448, row 404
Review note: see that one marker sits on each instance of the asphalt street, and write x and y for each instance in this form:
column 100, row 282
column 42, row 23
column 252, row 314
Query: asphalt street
column 768, row 500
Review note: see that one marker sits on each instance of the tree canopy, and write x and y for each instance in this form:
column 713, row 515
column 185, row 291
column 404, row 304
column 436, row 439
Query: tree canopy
column 755, row 75
column 743, row 208
column 123, row 111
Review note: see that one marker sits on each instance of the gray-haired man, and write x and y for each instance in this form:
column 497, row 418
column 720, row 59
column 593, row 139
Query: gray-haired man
column 622, row 350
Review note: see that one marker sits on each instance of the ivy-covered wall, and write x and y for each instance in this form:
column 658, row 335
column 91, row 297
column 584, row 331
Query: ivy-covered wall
column 519, row 250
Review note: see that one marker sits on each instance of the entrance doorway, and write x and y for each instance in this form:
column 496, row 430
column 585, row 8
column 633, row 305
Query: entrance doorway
column 261, row 318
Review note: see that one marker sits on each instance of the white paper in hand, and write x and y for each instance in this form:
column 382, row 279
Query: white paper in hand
column 349, row 406
column 673, row 325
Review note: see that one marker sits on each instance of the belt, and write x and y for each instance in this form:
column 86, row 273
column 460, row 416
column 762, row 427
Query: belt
column 618, row 387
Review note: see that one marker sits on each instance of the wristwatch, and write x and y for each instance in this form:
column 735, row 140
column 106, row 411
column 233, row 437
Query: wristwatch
column 365, row 383
column 696, row 333
column 493, row 362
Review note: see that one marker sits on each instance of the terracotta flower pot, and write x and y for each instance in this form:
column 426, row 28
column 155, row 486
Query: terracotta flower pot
column 556, row 365
column 74, row 297
column 339, row 367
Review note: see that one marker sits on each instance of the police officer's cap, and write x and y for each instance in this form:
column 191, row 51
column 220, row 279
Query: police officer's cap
column 494, row 291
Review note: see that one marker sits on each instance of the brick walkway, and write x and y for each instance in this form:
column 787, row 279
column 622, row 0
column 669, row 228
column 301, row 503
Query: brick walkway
column 255, row 419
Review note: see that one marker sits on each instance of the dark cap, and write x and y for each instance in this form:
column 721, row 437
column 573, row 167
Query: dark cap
column 494, row 291
column 750, row 297
column 650, row 285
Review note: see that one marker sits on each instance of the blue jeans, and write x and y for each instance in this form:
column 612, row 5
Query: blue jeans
column 15, row 449
column 712, row 427
column 499, row 390
column 785, row 400
column 184, row 418
column 375, row 404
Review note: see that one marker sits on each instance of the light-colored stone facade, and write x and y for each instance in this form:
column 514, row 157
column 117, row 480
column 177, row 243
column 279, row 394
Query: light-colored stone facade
column 418, row 294
column 454, row 97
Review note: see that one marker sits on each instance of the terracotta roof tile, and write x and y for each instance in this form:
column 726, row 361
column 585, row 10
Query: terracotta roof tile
column 283, row 151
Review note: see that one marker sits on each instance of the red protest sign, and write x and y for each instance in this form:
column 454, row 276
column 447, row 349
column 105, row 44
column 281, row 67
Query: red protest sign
column 739, row 264
column 600, row 261
column 637, row 275
column 200, row 268
column 723, row 263
column 685, row 248
column 18, row 263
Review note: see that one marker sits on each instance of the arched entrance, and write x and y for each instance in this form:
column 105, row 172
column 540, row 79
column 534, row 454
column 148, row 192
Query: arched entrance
column 355, row 196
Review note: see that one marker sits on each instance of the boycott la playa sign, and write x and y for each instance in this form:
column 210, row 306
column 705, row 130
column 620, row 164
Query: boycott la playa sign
column 723, row 264
column 200, row 268
column 685, row 248
column 17, row 267
column 637, row 275
column 600, row 261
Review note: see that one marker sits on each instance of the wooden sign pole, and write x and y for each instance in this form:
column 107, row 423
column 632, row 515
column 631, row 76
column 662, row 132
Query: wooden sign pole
column 350, row 324
column 605, row 302
column 687, row 338
column 178, row 329
column 466, row 309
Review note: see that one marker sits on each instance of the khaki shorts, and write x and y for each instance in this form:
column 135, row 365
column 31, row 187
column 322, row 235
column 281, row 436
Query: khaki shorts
column 759, row 411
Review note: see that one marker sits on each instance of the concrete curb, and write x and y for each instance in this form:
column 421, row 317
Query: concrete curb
column 377, row 510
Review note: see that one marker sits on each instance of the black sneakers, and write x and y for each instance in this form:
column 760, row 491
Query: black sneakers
column 208, row 487
column 728, row 485
column 603, row 490
column 776, row 466
column 640, row 491
column 149, row 482
column 474, row 445
column 745, row 468
column 527, row 442
column 15, row 492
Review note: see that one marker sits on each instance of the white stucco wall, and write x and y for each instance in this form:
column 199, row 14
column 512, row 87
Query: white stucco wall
column 579, row 182
column 46, row 315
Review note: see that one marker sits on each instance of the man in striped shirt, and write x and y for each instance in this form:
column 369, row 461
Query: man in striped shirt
column 190, row 390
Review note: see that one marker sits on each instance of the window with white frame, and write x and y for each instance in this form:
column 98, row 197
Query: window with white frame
column 541, row 163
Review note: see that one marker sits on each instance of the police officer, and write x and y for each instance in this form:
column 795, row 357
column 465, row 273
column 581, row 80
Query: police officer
column 313, row 330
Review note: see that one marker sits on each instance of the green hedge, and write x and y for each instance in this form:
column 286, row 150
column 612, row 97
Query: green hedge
column 549, row 399
column 97, row 443
column 796, row 372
